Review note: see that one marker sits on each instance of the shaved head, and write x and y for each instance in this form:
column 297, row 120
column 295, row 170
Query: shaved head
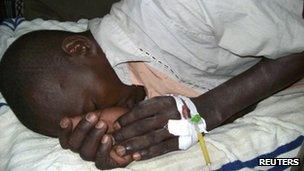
column 34, row 71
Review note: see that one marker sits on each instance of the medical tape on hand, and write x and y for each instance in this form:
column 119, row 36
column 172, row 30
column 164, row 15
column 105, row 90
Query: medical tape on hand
column 183, row 128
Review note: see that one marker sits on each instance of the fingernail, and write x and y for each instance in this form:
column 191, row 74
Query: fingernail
column 113, row 140
column 136, row 156
column 105, row 139
column 99, row 124
column 120, row 150
column 91, row 117
column 116, row 126
column 64, row 123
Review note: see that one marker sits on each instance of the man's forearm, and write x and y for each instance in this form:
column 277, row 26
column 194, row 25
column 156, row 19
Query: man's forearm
column 251, row 86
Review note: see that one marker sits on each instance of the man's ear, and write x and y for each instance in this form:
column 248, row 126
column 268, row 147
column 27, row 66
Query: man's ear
column 76, row 45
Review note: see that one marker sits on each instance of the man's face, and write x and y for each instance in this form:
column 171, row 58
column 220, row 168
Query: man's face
column 92, row 85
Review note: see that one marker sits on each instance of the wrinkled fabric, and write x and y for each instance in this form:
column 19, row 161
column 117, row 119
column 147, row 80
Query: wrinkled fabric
column 199, row 42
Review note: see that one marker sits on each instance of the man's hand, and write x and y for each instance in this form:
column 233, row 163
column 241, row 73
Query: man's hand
column 85, row 137
column 144, row 133
column 106, row 156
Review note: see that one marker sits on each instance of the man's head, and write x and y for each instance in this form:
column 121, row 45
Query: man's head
column 47, row 74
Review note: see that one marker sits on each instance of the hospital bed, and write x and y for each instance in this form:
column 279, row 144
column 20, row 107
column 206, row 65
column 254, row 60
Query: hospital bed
column 274, row 129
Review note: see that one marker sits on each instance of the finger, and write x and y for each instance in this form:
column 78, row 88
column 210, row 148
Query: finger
column 157, row 150
column 145, row 109
column 121, row 161
column 81, row 131
column 141, row 142
column 140, row 127
column 91, row 142
column 103, row 159
column 65, row 132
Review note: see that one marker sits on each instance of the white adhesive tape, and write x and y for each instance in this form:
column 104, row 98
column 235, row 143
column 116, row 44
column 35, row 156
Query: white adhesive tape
column 183, row 128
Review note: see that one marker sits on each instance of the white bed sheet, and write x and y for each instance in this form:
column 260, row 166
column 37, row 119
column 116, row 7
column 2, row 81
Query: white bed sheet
column 277, row 122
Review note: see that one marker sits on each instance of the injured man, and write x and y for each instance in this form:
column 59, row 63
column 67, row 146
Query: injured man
column 120, row 91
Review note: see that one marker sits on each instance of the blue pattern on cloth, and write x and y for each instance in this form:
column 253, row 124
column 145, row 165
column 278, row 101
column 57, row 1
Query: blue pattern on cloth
column 3, row 104
column 237, row 165
column 12, row 23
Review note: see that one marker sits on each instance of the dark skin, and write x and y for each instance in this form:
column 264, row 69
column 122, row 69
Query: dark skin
column 142, row 134
column 95, row 78
column 97, row 88
column 105, row 123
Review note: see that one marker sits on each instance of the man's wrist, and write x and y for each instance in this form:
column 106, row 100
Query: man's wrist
column 207, row 110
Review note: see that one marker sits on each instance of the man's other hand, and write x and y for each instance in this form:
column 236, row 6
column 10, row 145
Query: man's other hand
column 143, row 130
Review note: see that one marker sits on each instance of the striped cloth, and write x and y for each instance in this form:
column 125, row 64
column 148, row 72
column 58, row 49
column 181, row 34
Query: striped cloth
column 12, row 8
